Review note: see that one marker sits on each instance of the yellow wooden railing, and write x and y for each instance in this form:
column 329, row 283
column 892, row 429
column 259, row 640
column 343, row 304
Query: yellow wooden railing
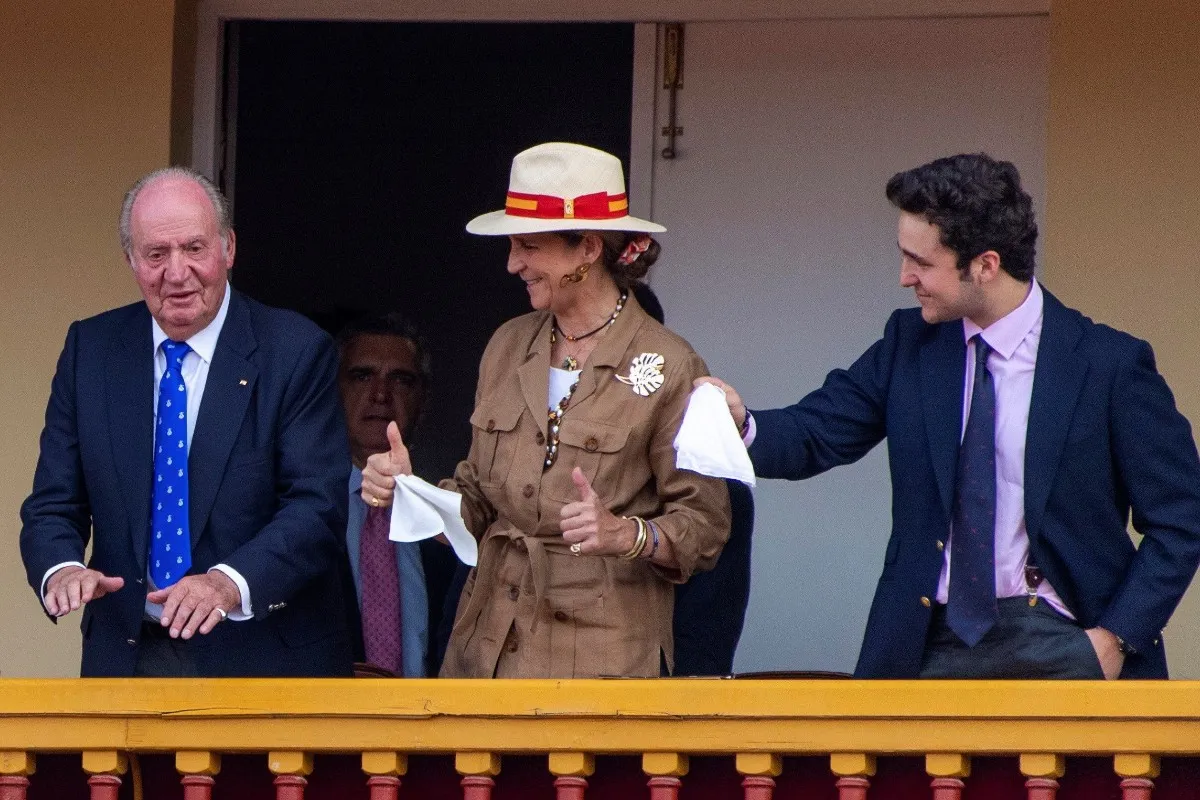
column 756, row 722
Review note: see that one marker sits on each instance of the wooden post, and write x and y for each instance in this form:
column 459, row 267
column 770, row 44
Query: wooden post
column 384, row 769
column 571, row 771
column 15, row 768
column 1137, row 771
column 477, row 769
column 197, row 768
column 665, row 771
column 759, row 771
column 1042, row 771
column 104, row 769
column 947, row 771
column 854, row 771
column 289, row 768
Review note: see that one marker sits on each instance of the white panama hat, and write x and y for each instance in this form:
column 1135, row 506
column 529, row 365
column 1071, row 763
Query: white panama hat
column 560, row 186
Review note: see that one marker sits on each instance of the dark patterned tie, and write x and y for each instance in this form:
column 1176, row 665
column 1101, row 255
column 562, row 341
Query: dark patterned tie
column 971, row 605
column 379, row 576
column 170, row 542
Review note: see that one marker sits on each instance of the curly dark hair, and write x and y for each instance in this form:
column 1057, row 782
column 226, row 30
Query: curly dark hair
column 978, row 205
column 624, row 275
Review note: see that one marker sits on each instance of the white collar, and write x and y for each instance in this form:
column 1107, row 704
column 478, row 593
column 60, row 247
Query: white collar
column 204, row 342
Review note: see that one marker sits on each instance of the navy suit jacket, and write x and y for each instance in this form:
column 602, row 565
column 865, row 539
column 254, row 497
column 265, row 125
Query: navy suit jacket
column 267, row 491
column 1104, row 441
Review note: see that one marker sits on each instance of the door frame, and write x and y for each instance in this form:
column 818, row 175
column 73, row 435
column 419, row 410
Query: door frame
column 209, row 103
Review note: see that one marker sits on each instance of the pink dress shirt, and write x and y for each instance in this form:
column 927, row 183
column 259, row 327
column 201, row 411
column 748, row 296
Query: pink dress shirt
column 1014, row 342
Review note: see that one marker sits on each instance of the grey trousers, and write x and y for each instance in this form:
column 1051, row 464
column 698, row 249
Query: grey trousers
column 160, row 656
column 1026, row 642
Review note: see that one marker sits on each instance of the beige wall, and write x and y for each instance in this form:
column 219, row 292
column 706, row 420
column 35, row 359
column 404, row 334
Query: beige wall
column 1123, row 193
column 84, row 109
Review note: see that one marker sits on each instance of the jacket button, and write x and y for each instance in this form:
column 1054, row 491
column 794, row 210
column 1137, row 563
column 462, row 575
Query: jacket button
column 131, row 642
column 591, row 444
column 540, row 438
column 141, row 581
column 561, row 616
column 491, row 426
column 941, row 545
column 513, row 593
column 528, row 491
column 511, row 646
column 925, row 601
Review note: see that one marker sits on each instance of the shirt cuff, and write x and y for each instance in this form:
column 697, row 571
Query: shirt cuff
column 751, row 430
column 243, row 589
column 53, row 570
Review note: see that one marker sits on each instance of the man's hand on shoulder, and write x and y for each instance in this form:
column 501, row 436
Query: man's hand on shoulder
column 73, row 587
column 197, row 603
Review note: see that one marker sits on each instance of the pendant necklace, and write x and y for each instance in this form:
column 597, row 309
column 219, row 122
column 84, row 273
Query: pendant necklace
column 554, row 415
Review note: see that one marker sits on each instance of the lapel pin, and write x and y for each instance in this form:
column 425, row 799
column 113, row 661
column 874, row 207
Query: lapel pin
column 242, row 382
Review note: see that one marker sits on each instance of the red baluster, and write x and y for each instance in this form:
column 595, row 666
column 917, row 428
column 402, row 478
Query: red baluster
column 853, row 787
column 197, row 787
column 664, row 787
column 758, row 787
column 104, row 787
column 1041, row 788
column 384, row 787
column 13, row 787
column 570, row 787
column 947, row 789
column 290, row 787
column 477, row 787
column 1136, row 788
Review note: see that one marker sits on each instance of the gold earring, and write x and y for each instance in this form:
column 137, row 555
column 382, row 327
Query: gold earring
column 578, row 275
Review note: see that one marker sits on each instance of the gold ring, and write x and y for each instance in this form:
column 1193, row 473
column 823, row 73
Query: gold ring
column 576, row 548
column 375, row 501
column 221, row 611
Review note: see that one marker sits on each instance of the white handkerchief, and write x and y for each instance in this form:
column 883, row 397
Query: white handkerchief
column 421, row 510
column 708, row 440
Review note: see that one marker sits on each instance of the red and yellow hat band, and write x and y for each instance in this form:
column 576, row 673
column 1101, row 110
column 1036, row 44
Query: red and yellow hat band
column 600, row 205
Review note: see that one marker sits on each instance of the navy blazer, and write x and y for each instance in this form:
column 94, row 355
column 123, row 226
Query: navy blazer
column 1104, row 441
column 267, row 492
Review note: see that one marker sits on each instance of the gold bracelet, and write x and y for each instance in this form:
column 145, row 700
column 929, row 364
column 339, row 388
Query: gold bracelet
column 640, row 543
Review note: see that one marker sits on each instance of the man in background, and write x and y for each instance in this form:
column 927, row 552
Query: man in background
column 400, row 587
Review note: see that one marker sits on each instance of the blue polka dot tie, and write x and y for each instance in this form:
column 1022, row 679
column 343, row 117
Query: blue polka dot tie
column 971, row 609
column 170, row 542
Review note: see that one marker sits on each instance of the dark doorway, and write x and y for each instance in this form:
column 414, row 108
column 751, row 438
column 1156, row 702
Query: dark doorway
column 362, row 149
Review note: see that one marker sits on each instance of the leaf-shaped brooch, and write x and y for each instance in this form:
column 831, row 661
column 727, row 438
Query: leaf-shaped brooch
column 645, row 374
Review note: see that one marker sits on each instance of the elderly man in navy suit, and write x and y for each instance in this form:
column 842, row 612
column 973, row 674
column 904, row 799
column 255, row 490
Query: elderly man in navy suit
column 197, row 440
column 1022, row 439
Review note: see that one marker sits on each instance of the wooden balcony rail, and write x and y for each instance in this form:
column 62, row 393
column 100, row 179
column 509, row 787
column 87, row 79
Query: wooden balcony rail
column 381, row 739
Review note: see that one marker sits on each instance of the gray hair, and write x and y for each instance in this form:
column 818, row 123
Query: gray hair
column 391, row 323
column 219, row 203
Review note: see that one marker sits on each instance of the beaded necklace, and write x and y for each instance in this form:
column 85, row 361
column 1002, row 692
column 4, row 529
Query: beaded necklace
column 554, row 415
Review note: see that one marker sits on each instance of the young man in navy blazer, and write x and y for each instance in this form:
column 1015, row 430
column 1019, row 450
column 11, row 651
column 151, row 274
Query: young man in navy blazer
column 1022, row 439
column 197, row 440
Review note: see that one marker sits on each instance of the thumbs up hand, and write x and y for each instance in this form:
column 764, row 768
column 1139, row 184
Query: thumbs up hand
column 379, row 475
column 590, row 528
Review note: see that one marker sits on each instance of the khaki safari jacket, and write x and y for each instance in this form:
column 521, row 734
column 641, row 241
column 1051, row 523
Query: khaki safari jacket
column 532, row 609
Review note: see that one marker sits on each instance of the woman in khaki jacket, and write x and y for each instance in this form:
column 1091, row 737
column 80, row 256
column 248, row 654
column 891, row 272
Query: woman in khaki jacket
column 583, row 520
